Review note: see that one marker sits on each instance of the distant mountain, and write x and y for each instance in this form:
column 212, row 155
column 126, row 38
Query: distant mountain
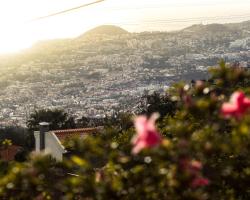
column 218, row 36
column 217, row 28
column 105, row 30
column 243, row 25
column 200, row 28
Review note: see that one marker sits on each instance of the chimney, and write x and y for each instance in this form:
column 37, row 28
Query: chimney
column 44, row 127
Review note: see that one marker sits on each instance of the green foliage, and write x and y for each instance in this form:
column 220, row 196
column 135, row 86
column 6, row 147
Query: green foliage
column 102, row 166
column 57, row 119
column 151, row 103
column 120, row 121
column 18, row 135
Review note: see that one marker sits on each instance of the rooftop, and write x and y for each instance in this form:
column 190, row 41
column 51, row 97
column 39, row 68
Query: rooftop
column 80, row 132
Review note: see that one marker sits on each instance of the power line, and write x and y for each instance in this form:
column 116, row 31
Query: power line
column 68, row 10
column 166, row 21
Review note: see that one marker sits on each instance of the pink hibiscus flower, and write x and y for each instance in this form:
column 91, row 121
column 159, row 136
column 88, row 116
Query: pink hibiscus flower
column 195, row 166
column 237, row 106
column 199, row 182
column 147, row 135
column 192, row 167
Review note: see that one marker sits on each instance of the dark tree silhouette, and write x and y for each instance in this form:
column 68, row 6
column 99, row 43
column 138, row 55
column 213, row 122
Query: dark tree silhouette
column 120, row 120
column 83, row 122
column 58, row 119
column 151, row 103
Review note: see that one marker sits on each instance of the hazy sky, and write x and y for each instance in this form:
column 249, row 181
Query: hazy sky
column 17, row 30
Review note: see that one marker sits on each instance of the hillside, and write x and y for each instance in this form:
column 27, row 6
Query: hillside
column 108, row 30
column 90, row 75
column 214, row 28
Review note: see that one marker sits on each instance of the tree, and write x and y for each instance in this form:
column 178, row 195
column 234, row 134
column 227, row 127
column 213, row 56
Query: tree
column 83, row 122
column 19, row 136
column 156, row 102
column 58, row 119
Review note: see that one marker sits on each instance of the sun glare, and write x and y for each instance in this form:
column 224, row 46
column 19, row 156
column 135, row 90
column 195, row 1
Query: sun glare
column 18, row 31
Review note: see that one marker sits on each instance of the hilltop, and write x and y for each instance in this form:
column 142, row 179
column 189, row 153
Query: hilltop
column 217, row 28
column 105, row 30
column 207, row 28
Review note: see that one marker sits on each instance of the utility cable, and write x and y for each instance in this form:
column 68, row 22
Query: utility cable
column 66, row 11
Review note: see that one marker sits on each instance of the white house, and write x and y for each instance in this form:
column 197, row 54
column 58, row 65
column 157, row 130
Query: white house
column 51, row 142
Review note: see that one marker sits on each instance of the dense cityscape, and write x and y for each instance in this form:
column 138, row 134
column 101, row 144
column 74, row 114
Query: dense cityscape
column 108, row 68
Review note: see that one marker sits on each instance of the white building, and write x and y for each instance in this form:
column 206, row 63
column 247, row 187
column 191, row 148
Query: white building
column 51, row 142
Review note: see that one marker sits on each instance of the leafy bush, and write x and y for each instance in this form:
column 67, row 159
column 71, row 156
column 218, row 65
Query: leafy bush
column 198, row 152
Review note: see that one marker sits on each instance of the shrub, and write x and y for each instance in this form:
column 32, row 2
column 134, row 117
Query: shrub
column 202, row 152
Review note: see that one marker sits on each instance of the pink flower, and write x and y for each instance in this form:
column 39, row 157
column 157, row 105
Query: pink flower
column 199, row 182
column 192, row 167
column 195, row 165
column 188, row 100
column 147, row 135
column 237, row 106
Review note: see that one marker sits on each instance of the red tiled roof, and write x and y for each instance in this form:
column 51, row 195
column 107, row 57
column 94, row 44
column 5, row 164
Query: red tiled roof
column 9, row 153
column 64, row 134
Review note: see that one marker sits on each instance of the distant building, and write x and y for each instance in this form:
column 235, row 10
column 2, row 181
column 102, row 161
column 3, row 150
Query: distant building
column 51, row 142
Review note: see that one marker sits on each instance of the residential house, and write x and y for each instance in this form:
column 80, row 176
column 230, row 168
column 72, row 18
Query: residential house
column 51, row 142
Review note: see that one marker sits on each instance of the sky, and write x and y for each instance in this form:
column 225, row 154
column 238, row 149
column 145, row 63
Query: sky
column 19, row 29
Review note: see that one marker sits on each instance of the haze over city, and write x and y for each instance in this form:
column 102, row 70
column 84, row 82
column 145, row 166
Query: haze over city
column 20, row 27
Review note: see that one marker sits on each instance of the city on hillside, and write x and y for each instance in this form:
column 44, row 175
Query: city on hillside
column 109, row 69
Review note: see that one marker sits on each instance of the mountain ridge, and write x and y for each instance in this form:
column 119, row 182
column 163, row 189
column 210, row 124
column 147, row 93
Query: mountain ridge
column 104, row 30
column 112, row 30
